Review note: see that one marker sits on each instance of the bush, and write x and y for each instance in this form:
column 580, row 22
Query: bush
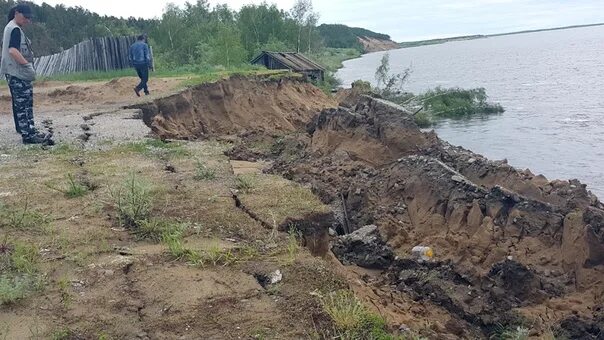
column 360, row 86
column 456, row 102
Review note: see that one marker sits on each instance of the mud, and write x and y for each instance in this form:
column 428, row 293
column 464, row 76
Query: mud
column 511, row 246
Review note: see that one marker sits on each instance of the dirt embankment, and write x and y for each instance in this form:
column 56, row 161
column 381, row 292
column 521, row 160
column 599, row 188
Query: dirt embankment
column 511, row 246
column 236, row 105
column 512, row 249
column 376, row 45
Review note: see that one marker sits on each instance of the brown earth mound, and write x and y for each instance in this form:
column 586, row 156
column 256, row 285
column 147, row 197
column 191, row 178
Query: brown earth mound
column 376, row 45
column 511, row 246
column 236, row 105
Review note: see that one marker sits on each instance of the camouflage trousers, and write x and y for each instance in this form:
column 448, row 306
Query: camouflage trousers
column 22, row 93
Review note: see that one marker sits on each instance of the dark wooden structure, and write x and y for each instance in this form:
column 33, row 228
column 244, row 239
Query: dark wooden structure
column 293, row 61
column 97, row 54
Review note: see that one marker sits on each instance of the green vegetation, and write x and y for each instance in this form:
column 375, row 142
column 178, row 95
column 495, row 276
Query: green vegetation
column 332, row 58
column 456, row 102
column 157, row 148
column 293, row 244
column 155, row 230
column 245, row 183
column 214, row 255
column 19, row 273
column 351, row 319
column 507, row 333
column 432, row 105
column 132, row 201
column 198, row 39
column 22, row 218
column 203, row 173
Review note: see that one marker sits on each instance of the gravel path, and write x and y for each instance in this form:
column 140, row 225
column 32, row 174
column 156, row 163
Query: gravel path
column 85, row 127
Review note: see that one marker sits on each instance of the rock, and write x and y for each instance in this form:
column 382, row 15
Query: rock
column 270, row 279
column 457, row 178
column 404, row 328
column 364, row 248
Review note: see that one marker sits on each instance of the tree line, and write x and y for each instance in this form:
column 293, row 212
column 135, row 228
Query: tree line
column 195, row 34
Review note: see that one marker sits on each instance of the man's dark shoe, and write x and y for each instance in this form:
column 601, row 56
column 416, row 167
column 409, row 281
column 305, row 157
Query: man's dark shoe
column 137, row 92
column 146, row 93
column 38, row 138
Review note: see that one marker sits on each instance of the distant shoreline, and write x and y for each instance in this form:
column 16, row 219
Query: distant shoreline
column 437, row 41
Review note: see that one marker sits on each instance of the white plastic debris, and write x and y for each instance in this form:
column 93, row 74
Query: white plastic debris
column 276, row 276
column 422, row 253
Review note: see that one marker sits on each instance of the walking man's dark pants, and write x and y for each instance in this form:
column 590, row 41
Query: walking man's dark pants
column 23, row 103
column 143, row 73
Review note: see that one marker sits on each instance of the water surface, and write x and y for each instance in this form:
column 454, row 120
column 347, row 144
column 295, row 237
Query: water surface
column 550, row 83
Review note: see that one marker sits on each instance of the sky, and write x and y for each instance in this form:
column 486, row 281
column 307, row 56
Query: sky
column 403, row 20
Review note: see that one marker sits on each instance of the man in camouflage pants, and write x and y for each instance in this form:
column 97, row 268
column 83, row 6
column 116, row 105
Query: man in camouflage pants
column 17, row 66
column 23, row 101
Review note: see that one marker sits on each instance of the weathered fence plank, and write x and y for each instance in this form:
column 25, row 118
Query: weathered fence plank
column 97, row 54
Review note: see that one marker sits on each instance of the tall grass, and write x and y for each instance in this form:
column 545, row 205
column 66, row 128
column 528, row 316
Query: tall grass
column 132, row 201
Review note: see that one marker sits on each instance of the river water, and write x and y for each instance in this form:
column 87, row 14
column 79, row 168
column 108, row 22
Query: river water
column 550, row 83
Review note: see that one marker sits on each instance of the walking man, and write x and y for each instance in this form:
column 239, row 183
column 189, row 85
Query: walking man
column 140, row 59
column 17, row 66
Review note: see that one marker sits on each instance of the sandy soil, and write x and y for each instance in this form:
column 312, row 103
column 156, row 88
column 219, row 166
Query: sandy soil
column 515, row 252
column 98, row 279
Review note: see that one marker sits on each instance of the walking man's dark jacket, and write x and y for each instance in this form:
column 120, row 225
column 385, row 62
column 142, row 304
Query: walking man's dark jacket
column 140, row 54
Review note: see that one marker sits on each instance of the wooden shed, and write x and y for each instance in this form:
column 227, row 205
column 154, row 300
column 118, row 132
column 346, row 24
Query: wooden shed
column 293, row 61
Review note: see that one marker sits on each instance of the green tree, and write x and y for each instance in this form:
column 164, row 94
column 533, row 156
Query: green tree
column 300, row 13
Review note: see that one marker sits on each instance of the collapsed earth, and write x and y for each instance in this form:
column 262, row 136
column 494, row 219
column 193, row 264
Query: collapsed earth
column 262, row 208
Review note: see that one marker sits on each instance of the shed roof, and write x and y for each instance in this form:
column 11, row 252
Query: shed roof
column 293, row 60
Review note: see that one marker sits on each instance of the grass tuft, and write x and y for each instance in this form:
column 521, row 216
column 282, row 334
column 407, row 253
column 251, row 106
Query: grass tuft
column 155, row 230
column 245, row 183
column 157, row 148
column 293, row 244
column 351, row 319
column 132, row 201
column 22, row 218
column 74, row 188
column 509, row 333
column 203, row 173
column 19, row 273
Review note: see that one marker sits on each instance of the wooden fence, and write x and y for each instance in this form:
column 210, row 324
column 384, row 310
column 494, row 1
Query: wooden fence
column 97, row 54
